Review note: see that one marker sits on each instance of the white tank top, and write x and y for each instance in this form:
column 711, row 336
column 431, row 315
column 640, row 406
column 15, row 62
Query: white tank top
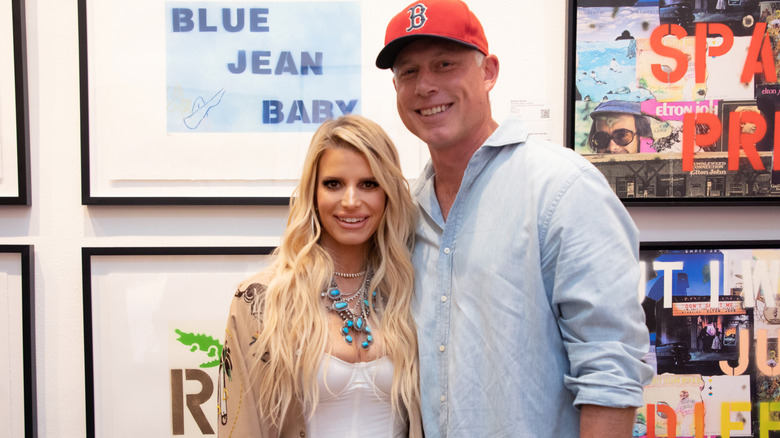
column 354, row 400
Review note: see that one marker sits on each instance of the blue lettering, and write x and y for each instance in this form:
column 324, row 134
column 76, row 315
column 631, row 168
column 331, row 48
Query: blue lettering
column 286, row 64
column 272, row 111
column 321, row 110
column 256, row 19
column 227, row 23
column 240, row 65
column 314, row 64
column 182, row 20
column 298, row 106
column 346, row 108
column 257, row 63
column 203, row 25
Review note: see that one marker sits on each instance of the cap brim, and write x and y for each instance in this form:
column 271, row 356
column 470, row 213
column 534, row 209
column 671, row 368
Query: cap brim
column 387, row 55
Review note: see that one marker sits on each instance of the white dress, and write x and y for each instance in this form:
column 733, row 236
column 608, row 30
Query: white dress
column 355, row 400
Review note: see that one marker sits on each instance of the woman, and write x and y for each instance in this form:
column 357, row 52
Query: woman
column 323, row 343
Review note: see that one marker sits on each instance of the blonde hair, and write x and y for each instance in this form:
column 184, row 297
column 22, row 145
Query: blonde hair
column 289, row 352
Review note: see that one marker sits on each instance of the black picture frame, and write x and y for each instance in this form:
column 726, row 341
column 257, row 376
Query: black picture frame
column 145, row 81
column 87, row 197
column 27, row 313
column 22, row 195
column 143, row 263
column 737, row 274
column 655, row 177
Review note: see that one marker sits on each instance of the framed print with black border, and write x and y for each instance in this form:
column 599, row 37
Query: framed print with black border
column 154, row 322
column 713, row 313
column 14, row 114
column 676, row 101
column 18, row 408
column 216, row 102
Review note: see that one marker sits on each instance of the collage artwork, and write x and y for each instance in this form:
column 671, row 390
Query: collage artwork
column 677, row 99
column 713, row 316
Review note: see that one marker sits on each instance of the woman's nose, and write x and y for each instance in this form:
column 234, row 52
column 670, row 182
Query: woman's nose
column 350, row 198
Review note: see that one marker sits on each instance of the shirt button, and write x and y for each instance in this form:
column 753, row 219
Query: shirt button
column 442, row 398
column 443, row 298
column 442, row 348
column 447, row 250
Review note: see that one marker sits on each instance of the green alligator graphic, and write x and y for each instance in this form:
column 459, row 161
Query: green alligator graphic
column 212, row 347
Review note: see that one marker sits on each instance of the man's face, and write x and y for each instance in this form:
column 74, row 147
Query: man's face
column 615, row 134
column 442, row 94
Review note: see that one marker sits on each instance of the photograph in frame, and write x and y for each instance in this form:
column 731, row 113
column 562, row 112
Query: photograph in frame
column 713, row 315
column 154, row 322
column 18, row 409
column 674, row 101
column 14, row 114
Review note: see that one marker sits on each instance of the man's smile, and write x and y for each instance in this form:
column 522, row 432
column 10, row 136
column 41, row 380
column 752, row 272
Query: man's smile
column 435, row 110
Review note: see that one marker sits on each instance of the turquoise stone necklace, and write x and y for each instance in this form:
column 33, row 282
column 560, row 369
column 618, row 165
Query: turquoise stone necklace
column 355, row 320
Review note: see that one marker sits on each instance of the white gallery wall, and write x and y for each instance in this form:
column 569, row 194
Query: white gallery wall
column 59, row 226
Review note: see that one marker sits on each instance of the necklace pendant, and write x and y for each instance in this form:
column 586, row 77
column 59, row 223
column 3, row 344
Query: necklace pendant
column 369, row 339
column 355, row 321
column 345, row 331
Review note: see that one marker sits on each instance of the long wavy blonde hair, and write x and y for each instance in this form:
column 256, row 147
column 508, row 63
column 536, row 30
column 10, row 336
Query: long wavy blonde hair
column 289, row 349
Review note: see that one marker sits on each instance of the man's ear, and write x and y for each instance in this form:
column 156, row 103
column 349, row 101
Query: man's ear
column 394, row 84
column 490, row 67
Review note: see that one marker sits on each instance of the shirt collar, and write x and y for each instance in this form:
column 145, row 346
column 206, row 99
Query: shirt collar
column 511, row 131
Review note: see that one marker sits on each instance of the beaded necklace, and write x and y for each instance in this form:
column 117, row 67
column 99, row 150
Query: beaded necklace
column 348, row 274
column 355, row 321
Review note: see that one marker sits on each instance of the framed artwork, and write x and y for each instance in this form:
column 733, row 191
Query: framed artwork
column 215, row 102
column 17, row 342
column 154, row 321
column 676, row 101
column 14, row 121
column 713, row 313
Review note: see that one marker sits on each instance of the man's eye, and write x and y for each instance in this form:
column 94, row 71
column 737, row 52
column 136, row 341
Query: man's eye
column 407, row 72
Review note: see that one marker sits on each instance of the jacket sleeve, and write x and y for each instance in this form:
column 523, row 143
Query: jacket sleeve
column 237, row 411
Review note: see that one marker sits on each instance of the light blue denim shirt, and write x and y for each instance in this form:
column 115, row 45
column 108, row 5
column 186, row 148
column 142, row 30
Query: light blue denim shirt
column 526, row 298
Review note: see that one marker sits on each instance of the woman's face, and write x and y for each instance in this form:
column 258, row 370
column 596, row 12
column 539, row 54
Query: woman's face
column 349, row 199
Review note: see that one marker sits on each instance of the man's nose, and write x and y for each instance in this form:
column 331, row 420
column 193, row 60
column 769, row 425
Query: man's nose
column 425, row 83
column 614, row 148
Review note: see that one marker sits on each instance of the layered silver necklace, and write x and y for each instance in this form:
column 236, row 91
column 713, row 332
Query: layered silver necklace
column 355, row 318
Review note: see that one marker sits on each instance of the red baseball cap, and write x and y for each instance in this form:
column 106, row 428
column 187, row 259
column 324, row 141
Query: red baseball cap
column 448, row 19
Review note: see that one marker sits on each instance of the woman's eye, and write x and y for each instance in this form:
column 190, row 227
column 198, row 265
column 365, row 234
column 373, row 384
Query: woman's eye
column 370, row 185
column 330, row 184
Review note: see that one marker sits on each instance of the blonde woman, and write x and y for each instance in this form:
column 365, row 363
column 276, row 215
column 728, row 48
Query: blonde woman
column 323, row 343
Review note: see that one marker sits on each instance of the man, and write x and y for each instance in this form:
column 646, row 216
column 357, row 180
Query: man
column 618, row 128
column 526, row 262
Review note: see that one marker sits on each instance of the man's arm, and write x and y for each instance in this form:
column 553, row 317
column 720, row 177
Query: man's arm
column 603, row 422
